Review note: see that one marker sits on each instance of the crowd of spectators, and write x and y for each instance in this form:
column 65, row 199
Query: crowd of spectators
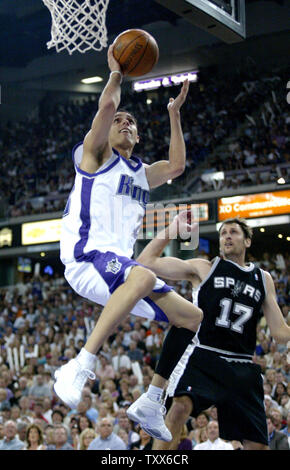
column 36, row 168
column 260, row 152
column 43, row 324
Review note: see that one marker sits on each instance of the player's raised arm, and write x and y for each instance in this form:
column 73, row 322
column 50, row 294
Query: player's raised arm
column 160, row 172
column 96, row 146
column 169, row 267
column 275, row 320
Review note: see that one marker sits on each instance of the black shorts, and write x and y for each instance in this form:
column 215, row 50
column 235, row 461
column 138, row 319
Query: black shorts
column 235, row 388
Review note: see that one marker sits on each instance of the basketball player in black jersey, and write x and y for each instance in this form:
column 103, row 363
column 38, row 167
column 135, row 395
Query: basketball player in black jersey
column 220, row 370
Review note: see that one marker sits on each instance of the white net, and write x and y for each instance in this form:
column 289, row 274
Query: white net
column 78, row 25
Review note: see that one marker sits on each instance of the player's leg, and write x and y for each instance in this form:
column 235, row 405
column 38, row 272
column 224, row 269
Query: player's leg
column 242, row 416
column 185, row 318
column 139, row 284
column 71, row 377
column 148, row 408
column 179, row 311
column 177, row 416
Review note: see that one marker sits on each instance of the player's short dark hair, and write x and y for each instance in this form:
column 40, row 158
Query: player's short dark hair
column 123, row 110
column 248, row 232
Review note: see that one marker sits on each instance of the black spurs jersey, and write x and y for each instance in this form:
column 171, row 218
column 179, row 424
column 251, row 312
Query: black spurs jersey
column 231, row 298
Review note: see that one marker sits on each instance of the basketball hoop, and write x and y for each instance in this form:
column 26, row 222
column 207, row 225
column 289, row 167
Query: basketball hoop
column 78, row 25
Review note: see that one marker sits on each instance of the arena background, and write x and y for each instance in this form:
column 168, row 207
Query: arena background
column 236, row 125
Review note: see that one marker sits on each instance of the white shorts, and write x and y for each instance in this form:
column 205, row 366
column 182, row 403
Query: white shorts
column 98, row 275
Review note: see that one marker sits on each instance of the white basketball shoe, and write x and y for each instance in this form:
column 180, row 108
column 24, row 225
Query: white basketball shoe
column 70, row 381
column 149, row 414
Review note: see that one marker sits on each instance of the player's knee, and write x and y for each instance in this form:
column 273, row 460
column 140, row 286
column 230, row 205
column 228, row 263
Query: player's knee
column 144, row 280
column 199, row 316
column 193, row 321
column 180, row 410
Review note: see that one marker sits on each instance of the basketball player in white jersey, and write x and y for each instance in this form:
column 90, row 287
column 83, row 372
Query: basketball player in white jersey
column 100, row 225
column 217, row 367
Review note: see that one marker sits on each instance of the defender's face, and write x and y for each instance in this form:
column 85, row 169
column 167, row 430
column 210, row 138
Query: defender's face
column 232, row 240
column 123, row 132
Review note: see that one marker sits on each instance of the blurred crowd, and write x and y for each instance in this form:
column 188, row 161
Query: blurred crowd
column 43, row 324
column 36, row 168
column 259, row 151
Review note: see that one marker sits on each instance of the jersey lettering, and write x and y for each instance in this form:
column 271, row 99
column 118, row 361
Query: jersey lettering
column 249, row 290
column 237, row 287
column 244, row 313
column 127, row 188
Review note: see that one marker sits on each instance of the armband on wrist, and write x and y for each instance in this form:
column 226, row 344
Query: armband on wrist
column 120, row 73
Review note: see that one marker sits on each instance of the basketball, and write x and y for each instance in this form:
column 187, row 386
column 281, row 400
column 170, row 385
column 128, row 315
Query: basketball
column 136, row 51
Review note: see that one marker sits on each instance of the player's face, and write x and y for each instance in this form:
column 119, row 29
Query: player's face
column 124, row 131
column 232, row 240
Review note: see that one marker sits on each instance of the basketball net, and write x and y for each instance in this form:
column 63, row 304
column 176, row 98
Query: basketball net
column 77, row 25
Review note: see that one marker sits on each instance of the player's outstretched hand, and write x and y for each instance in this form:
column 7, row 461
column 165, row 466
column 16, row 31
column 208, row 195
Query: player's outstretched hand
column 183, row 224
column 174, row 105
column 112, row 62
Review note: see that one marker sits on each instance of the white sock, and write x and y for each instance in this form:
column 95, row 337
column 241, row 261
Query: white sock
column 87, row 359
column 154, row 393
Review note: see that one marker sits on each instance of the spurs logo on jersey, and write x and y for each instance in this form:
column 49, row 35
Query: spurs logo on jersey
column 237, row 287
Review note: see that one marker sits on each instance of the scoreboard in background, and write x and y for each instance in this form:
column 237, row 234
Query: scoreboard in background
column 224, row 19
column 257, row 205
column 45, row 231
column 268, row 208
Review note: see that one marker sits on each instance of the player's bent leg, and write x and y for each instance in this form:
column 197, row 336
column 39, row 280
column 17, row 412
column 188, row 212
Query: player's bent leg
column 179, row 311
column 177, row 416
column 71, row 378
column 250, row 445
column 138, row 284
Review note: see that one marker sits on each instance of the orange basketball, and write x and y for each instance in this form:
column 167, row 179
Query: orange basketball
column 136, row 51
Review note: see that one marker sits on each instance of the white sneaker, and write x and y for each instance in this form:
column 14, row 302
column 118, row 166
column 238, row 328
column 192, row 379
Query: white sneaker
column 149, row 414
column 70, row 380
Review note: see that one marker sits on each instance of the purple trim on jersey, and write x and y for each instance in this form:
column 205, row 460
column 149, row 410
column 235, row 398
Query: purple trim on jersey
column 163, row 289
column 73, row 151
column 90, row 175
column 108, row 262
column 86, row 191
column 82, row 172
column 159, row 314
column 135, row 159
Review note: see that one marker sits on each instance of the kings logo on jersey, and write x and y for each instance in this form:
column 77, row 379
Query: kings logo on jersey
column 113, row 266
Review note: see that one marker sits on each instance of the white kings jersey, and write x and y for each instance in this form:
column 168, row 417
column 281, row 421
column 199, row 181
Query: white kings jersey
column 105, row 210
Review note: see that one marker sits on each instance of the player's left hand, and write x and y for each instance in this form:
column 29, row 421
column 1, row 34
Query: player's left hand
column 174, row 105
column 184, row 224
